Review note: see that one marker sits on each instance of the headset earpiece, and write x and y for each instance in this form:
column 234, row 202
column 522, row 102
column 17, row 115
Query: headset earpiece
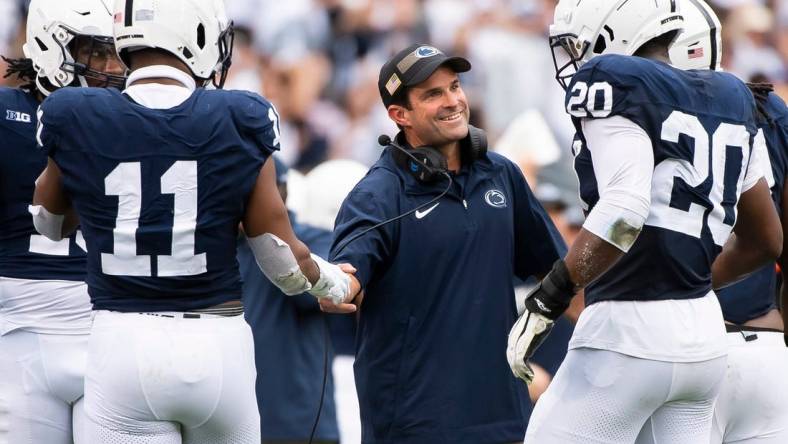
column 425, row 163
column 431, row 164
column 476, row 141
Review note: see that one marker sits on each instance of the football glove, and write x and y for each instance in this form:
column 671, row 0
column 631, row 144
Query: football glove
column 334, row 284
column 543, row 305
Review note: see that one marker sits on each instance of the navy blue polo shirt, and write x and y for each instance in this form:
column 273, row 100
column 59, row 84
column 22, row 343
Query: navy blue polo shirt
column 288, row 349
column 431, row 343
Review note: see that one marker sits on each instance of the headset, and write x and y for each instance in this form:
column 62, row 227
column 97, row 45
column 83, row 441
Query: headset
column 427, row 165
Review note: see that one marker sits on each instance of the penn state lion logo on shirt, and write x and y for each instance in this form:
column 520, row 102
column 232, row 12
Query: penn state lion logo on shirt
column 495, row 198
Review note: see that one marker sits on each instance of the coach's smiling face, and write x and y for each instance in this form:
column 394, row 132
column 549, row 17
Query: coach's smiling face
column 437, row 112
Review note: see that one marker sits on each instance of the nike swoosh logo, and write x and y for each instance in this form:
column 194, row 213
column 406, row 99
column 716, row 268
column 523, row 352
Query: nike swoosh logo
column 421, row 214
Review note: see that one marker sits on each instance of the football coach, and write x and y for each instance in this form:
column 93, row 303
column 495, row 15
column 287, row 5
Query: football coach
column 438, row 296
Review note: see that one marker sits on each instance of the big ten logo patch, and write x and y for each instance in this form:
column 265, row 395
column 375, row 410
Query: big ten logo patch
column 16, row 116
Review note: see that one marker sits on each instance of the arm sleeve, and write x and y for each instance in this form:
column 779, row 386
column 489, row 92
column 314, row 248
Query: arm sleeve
column 538, row 244
column 623, row 162
column 360, row 211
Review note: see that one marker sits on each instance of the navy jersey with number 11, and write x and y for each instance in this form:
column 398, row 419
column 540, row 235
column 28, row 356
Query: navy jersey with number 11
column 701, row 125
column 159, row 193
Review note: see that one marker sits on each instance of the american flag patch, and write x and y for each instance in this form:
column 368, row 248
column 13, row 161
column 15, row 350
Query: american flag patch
column 393, row 83
column 118, row 17
column 695, row 53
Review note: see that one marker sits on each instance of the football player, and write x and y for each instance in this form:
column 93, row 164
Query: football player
column 663, row 158
column 159, row 177
column 44, row 304
column 752, row 406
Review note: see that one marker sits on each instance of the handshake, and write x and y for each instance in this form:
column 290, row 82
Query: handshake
column 337, row 288
column 543, row 305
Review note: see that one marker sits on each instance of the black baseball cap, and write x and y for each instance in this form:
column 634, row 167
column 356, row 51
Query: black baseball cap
column 413, row 65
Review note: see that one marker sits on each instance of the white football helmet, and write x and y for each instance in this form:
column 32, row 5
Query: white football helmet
column 196, row 31
column 584, row 29
column 699, row 46
column 52, row 25
column 326, row 187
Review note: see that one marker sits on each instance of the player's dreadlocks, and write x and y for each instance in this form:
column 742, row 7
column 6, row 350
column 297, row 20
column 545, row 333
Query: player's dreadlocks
column 761, row 93
column 23, row 69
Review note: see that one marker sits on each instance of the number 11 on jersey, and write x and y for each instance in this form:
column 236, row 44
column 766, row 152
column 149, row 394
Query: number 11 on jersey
column 125, row 181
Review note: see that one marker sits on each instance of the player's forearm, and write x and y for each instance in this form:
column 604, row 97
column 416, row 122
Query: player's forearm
column 738, row 260
column 757, row 238
column 590, row 257
column 305, row 262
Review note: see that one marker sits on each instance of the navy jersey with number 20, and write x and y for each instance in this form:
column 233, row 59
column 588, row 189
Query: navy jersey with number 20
column 159, row 193
column 701, row 125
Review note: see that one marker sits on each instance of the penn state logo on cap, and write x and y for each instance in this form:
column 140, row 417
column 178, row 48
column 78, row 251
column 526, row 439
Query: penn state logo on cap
column 426, row 51
column 495, row 198
column 422, row 52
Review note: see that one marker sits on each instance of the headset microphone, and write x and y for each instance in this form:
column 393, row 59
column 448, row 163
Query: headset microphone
column 384, row 140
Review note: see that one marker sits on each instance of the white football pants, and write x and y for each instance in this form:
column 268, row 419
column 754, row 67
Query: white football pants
column 153, row 379
column 604, row 397
column 41, row 382
column 753, row 402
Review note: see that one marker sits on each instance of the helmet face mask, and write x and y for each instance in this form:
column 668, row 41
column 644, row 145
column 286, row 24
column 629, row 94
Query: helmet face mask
column 568, row 53
column 57, row 29
column 89, row 54
column 226, row 44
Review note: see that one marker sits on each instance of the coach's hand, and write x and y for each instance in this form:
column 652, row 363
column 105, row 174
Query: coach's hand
column 334, row 284
column 543, row 305
column 353, row 298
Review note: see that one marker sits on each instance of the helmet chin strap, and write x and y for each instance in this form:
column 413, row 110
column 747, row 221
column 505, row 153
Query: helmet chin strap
column 43, row 89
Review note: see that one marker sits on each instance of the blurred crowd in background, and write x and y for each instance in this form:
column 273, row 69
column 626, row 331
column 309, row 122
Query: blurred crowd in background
column 318, row 62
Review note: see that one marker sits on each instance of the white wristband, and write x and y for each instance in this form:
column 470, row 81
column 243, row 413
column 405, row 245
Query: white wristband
column 46, row 223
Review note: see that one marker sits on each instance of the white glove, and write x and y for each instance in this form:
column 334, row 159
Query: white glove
column 543, row 305
column 525, row 337
column 334, row 284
